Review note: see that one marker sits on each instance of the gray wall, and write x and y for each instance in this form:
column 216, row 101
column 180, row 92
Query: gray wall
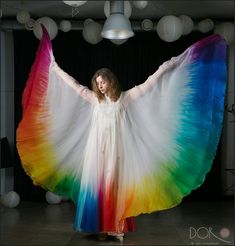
column 7, row 104
column 228, row 146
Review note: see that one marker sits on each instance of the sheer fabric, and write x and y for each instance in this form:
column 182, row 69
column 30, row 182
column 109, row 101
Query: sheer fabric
column 140, row 154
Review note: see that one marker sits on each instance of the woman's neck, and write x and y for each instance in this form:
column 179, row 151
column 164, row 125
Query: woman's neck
column 107, row 97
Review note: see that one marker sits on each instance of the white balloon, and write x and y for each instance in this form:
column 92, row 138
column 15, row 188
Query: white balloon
column 86, row 21
column 65, row 25
column 127, row 9
column 75, row 3
column 187, row 24
column 147, row 25
column 118, row 41
column 92, row 32
column 140, row 4
column 11, row 199
column 226, row 30
column 52, row 198
column 205, row 25
column 30, row 24
column 169, row 28
column 23, row 16
column 49, row 24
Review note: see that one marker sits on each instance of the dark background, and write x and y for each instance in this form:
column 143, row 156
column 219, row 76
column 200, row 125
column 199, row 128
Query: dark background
column 132, row 62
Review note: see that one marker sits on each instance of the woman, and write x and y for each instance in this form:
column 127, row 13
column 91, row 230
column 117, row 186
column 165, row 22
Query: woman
column 116, row 153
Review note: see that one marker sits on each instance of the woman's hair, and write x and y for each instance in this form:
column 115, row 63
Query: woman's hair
column 109, row 76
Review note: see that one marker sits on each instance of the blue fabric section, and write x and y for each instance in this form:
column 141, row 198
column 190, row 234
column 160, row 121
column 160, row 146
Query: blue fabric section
column 86, row 218
column 208, row 107
column 202, row 113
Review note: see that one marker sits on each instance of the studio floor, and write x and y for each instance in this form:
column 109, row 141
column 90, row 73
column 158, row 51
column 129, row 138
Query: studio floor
column 190, row 223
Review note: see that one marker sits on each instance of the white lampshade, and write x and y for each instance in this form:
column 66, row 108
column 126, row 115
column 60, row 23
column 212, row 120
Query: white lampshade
column 117, row 26
column 205, row 25
column 23, row 17
column 169, row 28
column 49, row 24
column 187, row 24
column 75, row 3
column 226, row 30
column 118, row 41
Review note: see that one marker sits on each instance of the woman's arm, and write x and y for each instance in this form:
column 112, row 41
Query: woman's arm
column 168, row 66
column 83, row 91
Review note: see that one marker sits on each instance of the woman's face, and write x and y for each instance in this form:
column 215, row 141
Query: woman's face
column 103, row 85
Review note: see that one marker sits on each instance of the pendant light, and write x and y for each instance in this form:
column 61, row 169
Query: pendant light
column 117, row 26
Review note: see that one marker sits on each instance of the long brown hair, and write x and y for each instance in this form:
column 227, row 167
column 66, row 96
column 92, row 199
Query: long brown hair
column 110, row 77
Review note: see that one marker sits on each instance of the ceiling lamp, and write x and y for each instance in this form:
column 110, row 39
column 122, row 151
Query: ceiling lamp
column 127, row 9
column 117, row 26
column 74, row 3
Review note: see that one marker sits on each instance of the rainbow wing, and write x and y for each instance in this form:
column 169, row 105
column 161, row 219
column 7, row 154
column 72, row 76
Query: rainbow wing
column 49, row 141
column 175, row 120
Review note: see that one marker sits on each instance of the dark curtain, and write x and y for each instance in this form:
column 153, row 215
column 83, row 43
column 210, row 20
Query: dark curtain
column 132, row 62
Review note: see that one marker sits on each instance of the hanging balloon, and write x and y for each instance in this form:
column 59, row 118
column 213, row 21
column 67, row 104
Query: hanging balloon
column 226, row 30
column 140, row 4
column 10, row 199
column 65, row 26
column 205, row 25
column 23, row 17
column 75, row 3
column 92, row 32
column 87, row 21
column 187, row 24
column 127, row 9
column 147, row 25
column 169, row 28
column 30, row 24
column 49, row 24
column 52, row 198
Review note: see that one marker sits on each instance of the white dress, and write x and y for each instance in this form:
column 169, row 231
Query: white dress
column 140, row 154
column 103, row 163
